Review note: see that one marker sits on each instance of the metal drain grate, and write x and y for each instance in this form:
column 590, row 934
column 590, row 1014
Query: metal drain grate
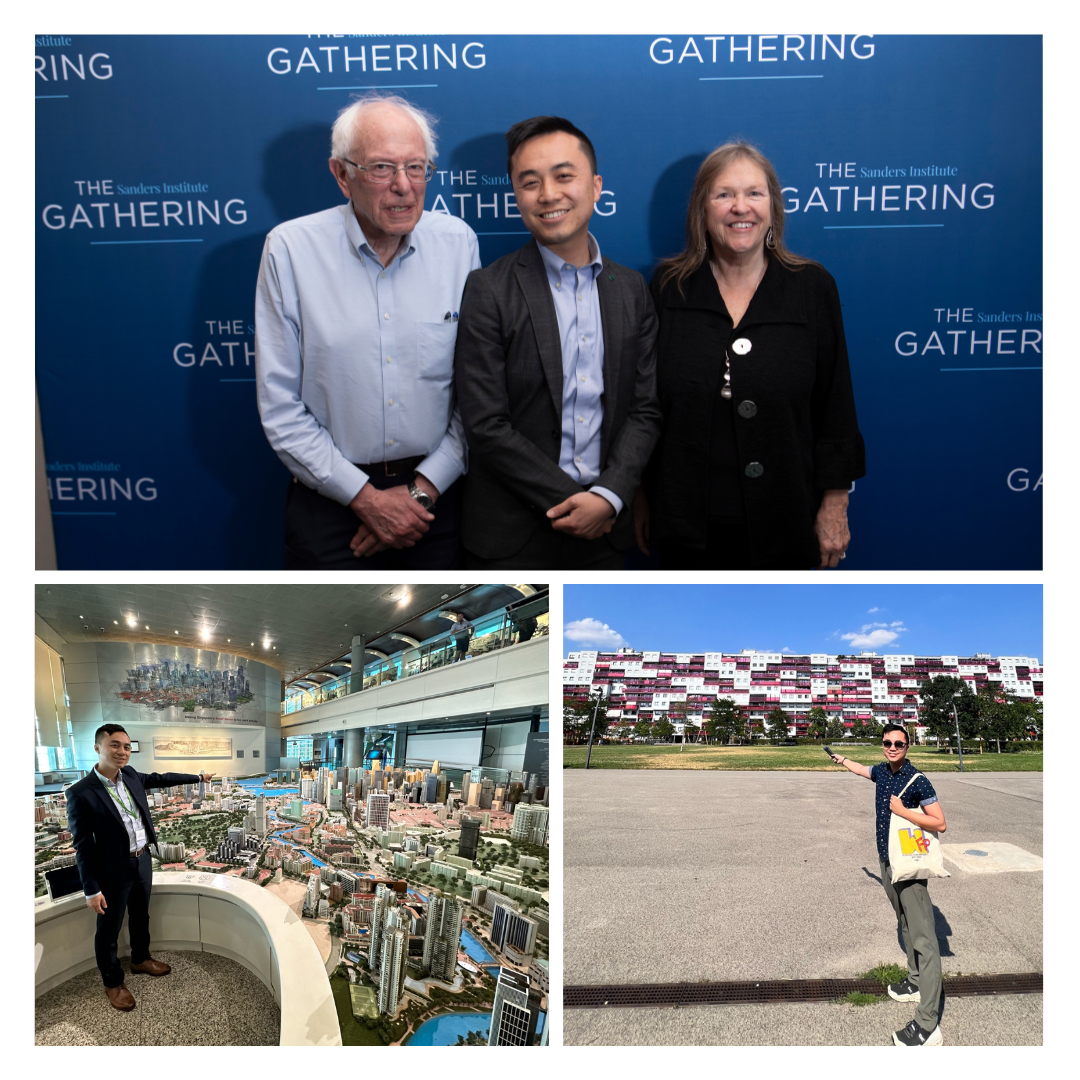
column 667, row 995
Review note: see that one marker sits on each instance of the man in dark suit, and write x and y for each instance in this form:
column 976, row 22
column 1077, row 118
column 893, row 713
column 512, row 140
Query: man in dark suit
column 555, row 375
column 111, row 829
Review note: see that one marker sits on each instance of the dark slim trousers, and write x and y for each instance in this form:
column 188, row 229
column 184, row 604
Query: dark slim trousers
column 915, row 915
column 548, row 549
column 318, row 531
column 131, row 894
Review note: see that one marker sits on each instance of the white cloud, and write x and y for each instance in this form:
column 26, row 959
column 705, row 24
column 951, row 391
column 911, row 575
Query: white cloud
column 873, row 609
column 594, row 632
column 875, row 635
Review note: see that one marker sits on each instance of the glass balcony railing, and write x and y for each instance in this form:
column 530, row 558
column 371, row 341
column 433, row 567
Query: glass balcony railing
column 498, row 630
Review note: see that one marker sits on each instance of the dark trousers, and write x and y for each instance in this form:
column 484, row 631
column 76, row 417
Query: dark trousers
column 318, row 531
column 548, row 549
column 131, row 894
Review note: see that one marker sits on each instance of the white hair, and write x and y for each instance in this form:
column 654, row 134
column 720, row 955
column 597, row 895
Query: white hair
column 348, row 125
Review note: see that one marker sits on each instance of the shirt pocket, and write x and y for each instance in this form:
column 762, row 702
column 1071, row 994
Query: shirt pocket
column 435, row 350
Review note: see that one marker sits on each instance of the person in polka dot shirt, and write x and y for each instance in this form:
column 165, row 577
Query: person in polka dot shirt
column 910, row 899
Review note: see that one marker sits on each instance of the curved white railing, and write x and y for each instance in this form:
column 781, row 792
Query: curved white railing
column 209, row 913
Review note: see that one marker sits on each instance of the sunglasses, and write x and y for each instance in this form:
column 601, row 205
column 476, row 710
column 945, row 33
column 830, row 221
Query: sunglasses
column 889, row 745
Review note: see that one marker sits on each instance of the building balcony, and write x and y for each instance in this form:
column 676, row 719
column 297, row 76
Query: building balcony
column 206, row 913
column 509, row 679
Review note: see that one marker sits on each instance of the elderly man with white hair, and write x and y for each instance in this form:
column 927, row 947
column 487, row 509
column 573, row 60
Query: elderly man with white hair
column 355, row 324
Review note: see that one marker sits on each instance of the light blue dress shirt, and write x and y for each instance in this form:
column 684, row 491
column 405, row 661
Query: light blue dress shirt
column 581, row 336
column 354, row 361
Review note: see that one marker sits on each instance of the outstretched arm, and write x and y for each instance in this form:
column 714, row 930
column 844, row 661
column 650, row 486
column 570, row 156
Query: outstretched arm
column 851, row 766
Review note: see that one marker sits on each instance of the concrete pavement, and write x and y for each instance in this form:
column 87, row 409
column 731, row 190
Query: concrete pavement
column 673, row 876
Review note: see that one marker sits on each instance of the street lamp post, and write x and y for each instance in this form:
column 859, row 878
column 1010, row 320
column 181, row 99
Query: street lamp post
column 592, row 728
column 959, row 744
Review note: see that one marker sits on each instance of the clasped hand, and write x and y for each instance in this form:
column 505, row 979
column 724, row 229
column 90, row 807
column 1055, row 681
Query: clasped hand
column 583, row 515
column 390, row 518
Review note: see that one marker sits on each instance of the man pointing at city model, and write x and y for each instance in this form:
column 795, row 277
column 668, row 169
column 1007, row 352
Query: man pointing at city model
column 111, row 829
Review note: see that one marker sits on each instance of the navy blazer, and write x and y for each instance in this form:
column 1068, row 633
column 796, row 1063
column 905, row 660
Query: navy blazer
column 101, row 841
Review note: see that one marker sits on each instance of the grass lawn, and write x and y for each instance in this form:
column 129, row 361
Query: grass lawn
column 800, row 758
column 352, row 1032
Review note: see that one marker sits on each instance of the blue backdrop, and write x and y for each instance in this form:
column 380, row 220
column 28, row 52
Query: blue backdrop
column 911, row 168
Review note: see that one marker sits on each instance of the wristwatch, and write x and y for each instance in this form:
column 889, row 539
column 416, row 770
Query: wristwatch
column 421, row 497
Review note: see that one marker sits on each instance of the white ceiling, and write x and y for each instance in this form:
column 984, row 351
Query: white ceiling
column 305, row 624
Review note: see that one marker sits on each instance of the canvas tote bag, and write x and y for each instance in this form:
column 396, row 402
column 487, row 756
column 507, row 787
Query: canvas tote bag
column 914, row 853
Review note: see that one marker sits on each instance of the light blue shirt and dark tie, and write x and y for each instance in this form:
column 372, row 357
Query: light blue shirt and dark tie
column 581, row 337
column 355, row 360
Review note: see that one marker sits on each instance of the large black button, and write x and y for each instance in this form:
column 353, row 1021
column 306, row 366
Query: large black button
column 747, row 409
column 754, row 469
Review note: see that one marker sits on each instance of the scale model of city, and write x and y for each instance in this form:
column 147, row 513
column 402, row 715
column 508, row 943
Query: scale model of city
column 424, row 899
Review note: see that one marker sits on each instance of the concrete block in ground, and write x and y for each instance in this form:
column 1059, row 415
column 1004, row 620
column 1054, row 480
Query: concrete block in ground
column 988, row 857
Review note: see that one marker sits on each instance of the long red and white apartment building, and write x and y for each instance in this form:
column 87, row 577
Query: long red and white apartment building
column 644, row 685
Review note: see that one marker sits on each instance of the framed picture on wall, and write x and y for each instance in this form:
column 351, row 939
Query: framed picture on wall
column 134, row 746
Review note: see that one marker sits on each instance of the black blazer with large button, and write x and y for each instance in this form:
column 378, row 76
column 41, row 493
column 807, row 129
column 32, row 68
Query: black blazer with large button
column 508, row 374
column 797, row 433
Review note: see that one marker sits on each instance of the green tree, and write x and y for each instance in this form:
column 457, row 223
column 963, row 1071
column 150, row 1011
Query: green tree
column 691, row 731
column 940, row 695
column 576, row 716
column 676, row 713
column 817, row 721
column 662, row 728
column 643, row 729
column 835, row 728
column 858, row 727
column 776, row 724
column 726, row 721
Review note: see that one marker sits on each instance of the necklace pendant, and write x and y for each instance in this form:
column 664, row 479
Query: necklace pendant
column 726, row 393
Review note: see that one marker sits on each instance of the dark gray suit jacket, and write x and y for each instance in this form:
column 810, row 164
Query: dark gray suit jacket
column 509, row 383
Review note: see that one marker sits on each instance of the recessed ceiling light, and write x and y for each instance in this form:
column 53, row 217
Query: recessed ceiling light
column 146, row 627
column 176, row 631
column 115, row 623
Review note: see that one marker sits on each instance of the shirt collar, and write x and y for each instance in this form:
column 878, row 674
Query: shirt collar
column 554, row 263
column 358, row 241
column 105, row 780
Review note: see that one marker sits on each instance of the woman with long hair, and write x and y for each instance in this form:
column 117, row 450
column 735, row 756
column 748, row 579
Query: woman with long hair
column 760, row 443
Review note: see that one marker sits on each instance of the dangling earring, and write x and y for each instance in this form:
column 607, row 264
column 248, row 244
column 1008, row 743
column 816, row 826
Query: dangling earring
column 770, row 240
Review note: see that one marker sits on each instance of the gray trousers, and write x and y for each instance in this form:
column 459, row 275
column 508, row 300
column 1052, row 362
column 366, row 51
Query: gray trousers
column 915, row 916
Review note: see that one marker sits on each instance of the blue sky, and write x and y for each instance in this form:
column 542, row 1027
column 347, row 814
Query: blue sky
column 924, row 620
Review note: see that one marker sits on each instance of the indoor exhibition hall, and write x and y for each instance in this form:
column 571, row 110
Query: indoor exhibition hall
column 320, row 810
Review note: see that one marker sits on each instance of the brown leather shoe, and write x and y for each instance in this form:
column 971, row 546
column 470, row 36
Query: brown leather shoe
column 120, row 997
column 151, row 967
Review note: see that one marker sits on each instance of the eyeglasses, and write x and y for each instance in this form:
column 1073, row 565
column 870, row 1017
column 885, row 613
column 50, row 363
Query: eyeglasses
column 889, row 745
column 382, row 172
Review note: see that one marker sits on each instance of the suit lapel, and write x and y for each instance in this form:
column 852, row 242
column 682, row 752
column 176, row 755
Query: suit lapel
column 537, row 292
column 138, row 794
column 608, row 291
column 107, row 799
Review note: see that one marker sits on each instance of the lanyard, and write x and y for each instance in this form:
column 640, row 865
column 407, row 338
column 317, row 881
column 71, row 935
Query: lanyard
column 111, row 789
